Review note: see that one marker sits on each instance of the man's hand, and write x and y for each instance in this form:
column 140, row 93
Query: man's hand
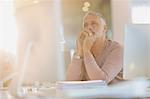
column 88, row 41
column 80, row 40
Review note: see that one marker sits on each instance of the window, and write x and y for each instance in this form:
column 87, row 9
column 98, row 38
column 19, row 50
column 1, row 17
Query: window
column 140, row 11
column 8, row 33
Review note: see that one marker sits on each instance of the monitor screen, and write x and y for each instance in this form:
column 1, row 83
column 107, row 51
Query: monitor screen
column 40, row 48
column 137, row 51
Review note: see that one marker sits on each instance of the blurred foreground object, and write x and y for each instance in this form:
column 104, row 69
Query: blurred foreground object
column 7, row 64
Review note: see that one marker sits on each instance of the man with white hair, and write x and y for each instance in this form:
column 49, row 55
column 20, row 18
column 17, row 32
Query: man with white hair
column 96, row 57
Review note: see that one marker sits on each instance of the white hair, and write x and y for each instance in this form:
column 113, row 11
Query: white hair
column 99, row 15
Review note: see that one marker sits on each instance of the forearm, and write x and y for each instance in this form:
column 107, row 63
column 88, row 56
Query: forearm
column 93, row 70
column 74, row 70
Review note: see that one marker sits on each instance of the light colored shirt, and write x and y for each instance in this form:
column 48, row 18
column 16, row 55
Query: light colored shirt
column 110, row 63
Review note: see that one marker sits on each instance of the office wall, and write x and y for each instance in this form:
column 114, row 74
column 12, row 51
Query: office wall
column 120, row 10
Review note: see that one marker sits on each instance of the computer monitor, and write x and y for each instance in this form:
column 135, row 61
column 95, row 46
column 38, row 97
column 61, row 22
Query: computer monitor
column 137, row 51
column 40, row 49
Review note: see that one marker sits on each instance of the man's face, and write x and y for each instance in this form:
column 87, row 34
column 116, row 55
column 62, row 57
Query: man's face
column 95, row 25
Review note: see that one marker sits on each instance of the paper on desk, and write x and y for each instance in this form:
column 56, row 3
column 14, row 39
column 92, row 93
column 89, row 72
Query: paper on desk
column 128, row 89
column 64, row 85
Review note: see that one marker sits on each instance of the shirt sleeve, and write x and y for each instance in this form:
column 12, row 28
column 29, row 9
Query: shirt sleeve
column 93, row 69
column 74, row 71
column 113, row 63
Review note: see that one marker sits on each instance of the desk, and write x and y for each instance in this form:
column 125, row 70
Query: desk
column 128, row 90
column 54, row 95
column 6, row 95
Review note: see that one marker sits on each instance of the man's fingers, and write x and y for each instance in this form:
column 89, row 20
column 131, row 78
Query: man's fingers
column 85, row 33
column 82, row 36
column 90, row 37
column 89, row 31
column 90, row 34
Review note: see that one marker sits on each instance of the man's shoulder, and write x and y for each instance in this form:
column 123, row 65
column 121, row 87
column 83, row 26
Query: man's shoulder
column 115, row 45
